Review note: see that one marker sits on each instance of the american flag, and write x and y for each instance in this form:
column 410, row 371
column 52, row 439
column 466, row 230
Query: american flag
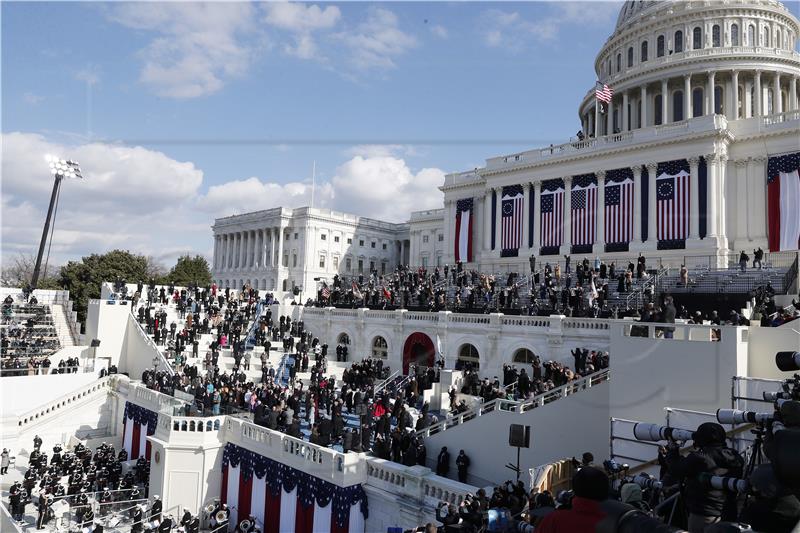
column 326, row 292
column 619, row 211
column 513, row 199
column 603, row 92
column 552, row 229
column 584, row 210
column 672, row 207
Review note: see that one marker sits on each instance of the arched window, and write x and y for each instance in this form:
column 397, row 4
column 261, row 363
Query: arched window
column 716, row 37
column 657, row 119
column 344, row 339
column 766, row 37
column 630, row 56
column 678, row 41
column 777, row 38
column 751, row 35
column 379, row 347
column 677, row 106
column 718, row 102
column 660, row 46
column 619, row 62
column 734, row 35
column 468, row 357
column 644, row 52
column 524, row 356
column 697, row 102
column 697, row 38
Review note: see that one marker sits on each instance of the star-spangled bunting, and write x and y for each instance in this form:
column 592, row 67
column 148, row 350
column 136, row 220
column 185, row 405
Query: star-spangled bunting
column 141, row 416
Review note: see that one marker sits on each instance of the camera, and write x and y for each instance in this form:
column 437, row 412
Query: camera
column 614, row 468
column 730, row 484
column 735, row 416
column 655, row 433
column 773, row 396
column 788, row 361
column 643, row 480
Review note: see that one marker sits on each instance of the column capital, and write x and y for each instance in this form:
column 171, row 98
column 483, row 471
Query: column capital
column 711, row 158
column 637, row 170
column 526, row 186
column 600, row 175
column 498, row 190
column 567, row 180
column 537, row 185
column 741, row 162
column 693, row 160
column 723, row 158
column 759, row 158
column 651, row 166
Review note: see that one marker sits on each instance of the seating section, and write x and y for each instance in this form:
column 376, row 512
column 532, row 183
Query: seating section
column 731, row 280
column 29, row 337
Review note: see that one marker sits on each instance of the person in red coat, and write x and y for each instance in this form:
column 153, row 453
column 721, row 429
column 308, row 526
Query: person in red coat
column 591, row 488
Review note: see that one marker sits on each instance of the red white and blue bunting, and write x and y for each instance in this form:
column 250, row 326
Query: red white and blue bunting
column 137, row 424
column 285, row 499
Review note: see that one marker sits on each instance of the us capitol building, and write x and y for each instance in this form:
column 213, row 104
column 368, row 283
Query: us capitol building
column 707, row 88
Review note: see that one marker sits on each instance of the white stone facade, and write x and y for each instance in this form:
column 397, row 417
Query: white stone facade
column 279, row 249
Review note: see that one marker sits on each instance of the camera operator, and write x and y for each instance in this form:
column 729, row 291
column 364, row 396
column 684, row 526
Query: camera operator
column 773, row 508
column 704, row 504
column 447, row 514
column 591, row 487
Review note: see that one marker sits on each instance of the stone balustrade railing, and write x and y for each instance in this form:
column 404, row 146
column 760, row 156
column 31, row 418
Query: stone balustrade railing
column 417, row 482
column 61, row 405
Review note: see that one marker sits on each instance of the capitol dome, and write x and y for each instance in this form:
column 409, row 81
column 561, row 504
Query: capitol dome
column 668, row 61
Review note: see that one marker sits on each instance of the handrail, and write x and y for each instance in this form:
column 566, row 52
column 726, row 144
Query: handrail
column 385, row 382
column 39, row 412
column 162, row 358
column 251, row 333
column 518, row 406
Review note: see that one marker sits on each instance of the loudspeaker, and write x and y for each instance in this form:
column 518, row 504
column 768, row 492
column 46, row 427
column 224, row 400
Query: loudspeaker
column 519, row 436
column 95, row 343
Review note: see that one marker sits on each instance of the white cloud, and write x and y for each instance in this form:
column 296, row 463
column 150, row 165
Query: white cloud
column 130, row 197
column 90, row 75
column 385, row 188
column 377, row 41
column 197, row 46
column 238, row 196
column 31, row 98
column 301, row 20
column 512, row 31
column 439, row 31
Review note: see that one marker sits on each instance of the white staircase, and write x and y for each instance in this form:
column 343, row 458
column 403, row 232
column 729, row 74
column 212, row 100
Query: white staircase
column 66, row 335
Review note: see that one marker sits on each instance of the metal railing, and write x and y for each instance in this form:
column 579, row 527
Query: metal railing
column 386, row 381
column 520, row 406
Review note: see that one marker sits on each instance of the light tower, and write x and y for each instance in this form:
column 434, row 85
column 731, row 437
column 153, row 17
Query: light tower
column 60, row 169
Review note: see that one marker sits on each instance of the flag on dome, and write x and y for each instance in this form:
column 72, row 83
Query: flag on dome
column 463, row 233
column 603, row 92
column 783, row 199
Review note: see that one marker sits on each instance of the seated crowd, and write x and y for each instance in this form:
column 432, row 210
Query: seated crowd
column 27, row 338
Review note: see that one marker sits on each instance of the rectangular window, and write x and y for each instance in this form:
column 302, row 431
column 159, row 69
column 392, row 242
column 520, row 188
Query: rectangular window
column 438, row 260
column 360, row 266
column 322, row 261
column 424, row 238
column 384, row 246
column 371, row 266
column 295, row 236
column 348, row 264
column 441, row 237
column 373, row 244
column 424, row 262
column 286, row 260
column 383, row 268
column 323, row 237
column 294, row 260
column 361, row 242
column 335, row 262
column 336, row 238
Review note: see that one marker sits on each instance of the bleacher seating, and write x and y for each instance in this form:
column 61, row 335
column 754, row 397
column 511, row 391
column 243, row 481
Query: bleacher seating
column 29, row 337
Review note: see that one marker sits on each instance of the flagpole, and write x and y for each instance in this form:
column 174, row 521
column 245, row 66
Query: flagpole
column 596, row 114
column 313, row 180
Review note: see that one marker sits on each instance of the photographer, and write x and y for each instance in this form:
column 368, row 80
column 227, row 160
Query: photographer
column 704, row 504
column 447, row 514
column 591, row 487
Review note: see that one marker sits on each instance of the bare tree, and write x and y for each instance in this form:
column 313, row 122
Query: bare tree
column 18, row 271
column 155, row 269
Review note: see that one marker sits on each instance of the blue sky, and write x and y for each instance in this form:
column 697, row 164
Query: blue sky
column 182, row 112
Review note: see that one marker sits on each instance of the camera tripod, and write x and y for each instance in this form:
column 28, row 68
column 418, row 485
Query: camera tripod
column 756, row 453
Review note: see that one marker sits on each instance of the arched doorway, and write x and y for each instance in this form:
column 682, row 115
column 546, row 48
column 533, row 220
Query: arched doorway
column 418, row 350
column 523, row 356
column 344, row 338
column 380, row 348
column 468, row 357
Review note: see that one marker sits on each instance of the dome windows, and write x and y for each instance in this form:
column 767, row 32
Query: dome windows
column 619, row 62
column 630, row 56
column 697, row 38
column 660, row 46
column 751, row 35
column 678, row 41
column 766, row 37
column 716, row 36
column 734, row 35
column 644, row 52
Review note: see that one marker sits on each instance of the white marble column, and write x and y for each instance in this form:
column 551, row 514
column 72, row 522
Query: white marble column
column 215, row 257
column 280, row 246
column 228, row 251
column 694, row 198
column 537, row 234
column 625, row 114
column 664, row 100
column 722, row 199
column 487, row 222
column 498, row 246
column 600, row 238
column 652, row 232
column 757, row 93
column 526, row 211
column 712, row 162
column 235, row 258
column 777, row 101
column 735, row 95
column 637, row 204
column 644, row 105
column 449, row 231
column 793, row 94
column 710, row 100
column 687, row 96
column 742, row 218
column 567, row 222
column 610, row 118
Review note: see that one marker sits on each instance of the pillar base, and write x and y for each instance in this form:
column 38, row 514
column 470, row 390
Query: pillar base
column 646, row 246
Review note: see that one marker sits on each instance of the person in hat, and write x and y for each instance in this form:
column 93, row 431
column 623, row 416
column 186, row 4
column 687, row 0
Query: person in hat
column 136, row 516
column 706, row 505
column 5, row 460
column 155, row 508
column 590, row 486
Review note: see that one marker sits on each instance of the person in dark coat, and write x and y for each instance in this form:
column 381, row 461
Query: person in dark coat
column 443, row 462
column 462, row 463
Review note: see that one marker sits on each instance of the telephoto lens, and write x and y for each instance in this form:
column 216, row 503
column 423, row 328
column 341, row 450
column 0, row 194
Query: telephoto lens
column 774, row 396
column 655, row 433
column 730, row 484
column 735, row 416
column 788, row 361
